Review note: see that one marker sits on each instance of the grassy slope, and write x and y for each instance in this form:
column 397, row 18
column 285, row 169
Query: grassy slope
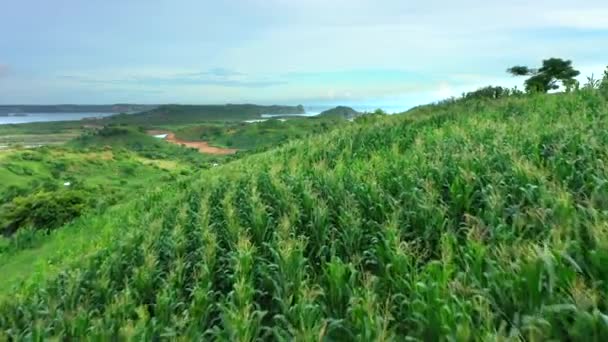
column 258, row 135
column 147, row 146
column 471, row 220
column 340, row 112
column 96, row 160
column 94, row 168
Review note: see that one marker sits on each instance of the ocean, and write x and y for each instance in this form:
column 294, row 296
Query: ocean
column 43, row 117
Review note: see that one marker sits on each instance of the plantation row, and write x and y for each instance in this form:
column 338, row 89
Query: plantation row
column 469, row 221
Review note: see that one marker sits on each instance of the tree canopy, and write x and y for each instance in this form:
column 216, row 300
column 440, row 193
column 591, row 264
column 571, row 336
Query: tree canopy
column 548, row 76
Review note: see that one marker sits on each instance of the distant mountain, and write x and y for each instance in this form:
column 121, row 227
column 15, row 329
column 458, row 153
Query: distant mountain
column 340, row 111
column 180, row 114
column 68, row 108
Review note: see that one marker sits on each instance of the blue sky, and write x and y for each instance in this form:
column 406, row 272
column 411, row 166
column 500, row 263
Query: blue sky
column 284, row 51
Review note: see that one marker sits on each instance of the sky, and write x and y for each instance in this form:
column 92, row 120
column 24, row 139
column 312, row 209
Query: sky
column 375, row 52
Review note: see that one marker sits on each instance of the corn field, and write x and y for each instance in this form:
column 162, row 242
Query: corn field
column 477, row 220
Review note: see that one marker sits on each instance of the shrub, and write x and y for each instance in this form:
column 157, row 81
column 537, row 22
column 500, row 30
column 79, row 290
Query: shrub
column 19, row 170
column 604, row 84
column 42, row 210
column 489, row 92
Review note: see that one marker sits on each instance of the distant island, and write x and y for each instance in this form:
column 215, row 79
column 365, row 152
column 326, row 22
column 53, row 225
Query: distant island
column 15, row 110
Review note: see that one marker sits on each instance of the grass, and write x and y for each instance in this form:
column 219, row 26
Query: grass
column 258, row 135
column 472, row 220
column 20, row 168
column 135, row 140
column 103, row 175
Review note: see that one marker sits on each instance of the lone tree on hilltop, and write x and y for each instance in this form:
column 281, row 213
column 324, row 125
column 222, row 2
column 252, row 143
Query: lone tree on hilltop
column 546, row 78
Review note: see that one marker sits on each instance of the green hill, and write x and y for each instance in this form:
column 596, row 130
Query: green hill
column 188, row 114
column 129, row 138
column 260, row 135
column 471, row 220
column 340, row 112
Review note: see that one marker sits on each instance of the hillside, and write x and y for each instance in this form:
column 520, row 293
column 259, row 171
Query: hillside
column 340, row 112
column 129, row 138
column 470, row 220
column 260, row 135
column 188, row 114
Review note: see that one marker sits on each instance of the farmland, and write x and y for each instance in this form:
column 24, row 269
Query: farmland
column 465, row 220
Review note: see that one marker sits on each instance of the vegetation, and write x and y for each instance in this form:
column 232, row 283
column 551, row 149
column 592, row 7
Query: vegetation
column 546, row 78
column 189, row 114
column 43, row 210
column 604, row 84
column 47, row 187
column 491, row 93
column 257, row 136
column 136, row 140
column 340, row 112
column 474, row 219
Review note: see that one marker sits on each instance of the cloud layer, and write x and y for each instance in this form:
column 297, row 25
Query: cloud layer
column 285, row 50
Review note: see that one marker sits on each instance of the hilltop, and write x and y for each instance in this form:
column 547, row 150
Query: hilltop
column 341, row 112
column 467, row 220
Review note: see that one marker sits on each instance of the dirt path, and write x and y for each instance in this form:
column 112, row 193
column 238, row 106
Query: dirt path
column 201, row 146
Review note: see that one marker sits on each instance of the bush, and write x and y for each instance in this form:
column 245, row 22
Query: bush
column 19, row 170
column 604, row 84
column 43, row 210
column 489, row 92
column 30, row 156
column 111, row 131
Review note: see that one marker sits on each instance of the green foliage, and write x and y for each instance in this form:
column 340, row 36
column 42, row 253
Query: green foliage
column 520, row 70
column 128, row 138
column 377, row 115
column 258, row 136
column 604, row 84
column 546, row 78
column 42, row 210
column 17, row 169
column 189, row 114
column 490, row 92
column 473, row 220
column 340, row 112
column 105, row 176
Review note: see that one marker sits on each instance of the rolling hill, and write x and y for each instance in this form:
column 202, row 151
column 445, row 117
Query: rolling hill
column 340, row 112
column 188, row 114
column 466, row 220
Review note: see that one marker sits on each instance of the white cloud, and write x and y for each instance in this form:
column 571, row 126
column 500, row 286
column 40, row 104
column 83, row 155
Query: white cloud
column 246, row 50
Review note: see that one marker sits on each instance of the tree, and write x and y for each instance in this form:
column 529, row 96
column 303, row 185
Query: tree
column 547, row 77
column 489, row 92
